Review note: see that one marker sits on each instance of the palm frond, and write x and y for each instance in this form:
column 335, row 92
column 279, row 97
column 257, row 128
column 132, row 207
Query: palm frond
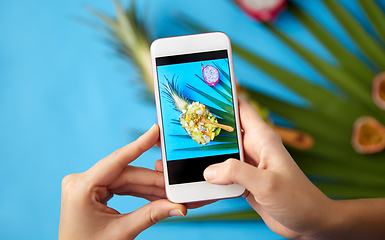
column 346, row 59
column 375, row 16
column 221, row 82
column 346, row 81
column 248, row 215
column 225, row 146
column 224, row 95
column 228, row 108
column 219, row 138
column 364, row 41
column 132, row 39
column 315, row 94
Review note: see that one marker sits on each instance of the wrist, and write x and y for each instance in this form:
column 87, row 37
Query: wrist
column 333, row 221
column 325, row 221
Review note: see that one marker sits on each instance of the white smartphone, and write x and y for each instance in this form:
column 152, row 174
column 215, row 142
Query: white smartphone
column 197, row 111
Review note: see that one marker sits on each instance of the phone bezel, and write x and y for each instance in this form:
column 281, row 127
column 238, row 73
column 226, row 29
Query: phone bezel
column 195, row 43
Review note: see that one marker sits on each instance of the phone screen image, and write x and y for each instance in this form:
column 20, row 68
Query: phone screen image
column 197, row 113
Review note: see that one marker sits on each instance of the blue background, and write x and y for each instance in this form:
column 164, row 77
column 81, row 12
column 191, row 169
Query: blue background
column 67, row 101
column 183, row 74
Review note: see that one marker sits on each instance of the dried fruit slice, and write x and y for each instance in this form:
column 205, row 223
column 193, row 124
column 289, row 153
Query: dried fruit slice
column 378, row 90
column 368, row 136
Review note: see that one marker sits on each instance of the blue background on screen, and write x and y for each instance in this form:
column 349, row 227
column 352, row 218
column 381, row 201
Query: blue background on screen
column 184, row 73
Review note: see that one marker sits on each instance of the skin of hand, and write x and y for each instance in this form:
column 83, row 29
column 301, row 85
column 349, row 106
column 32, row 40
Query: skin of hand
column 277, row 189
column 84, row 210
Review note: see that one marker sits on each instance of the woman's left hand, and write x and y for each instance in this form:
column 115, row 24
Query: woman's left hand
column 84, row 210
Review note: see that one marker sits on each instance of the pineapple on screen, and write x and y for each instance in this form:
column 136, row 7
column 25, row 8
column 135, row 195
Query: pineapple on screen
column 190, row 113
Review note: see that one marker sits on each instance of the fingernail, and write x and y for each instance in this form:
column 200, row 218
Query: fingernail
column 176, row 213
column 210, row 173
column 152, row 127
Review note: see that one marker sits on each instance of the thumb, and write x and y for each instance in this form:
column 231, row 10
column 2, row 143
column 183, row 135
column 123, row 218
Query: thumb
column 235, row 171
column 146, row 216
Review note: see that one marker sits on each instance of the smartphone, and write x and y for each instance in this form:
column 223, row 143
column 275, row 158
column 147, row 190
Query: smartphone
column 197, row 112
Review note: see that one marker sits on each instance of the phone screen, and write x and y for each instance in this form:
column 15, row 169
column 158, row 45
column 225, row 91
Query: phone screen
column 195, row 96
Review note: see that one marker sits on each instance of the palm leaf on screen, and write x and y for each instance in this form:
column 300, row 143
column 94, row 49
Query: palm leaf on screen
column 223, row 114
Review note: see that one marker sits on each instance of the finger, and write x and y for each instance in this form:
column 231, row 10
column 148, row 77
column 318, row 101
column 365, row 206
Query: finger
column 198, row 204
column 107, row 197
column 234, row 171
column 138, row 175
column 159, row 165
column 250, row 160
column 157, row 144
column 149, row 190
column 250, row 118
column 150, row 198
column 109, row 168
column 148, row 215
column 257, row 134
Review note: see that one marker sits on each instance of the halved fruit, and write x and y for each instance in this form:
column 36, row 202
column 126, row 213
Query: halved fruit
column 378, row 90
column 368, row 136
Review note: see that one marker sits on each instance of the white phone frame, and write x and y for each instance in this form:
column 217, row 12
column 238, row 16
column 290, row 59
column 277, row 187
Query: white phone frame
column 195, row 43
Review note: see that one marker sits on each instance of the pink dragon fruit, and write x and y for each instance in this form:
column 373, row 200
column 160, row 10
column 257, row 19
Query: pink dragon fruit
column 262, row 10
column 210, row 75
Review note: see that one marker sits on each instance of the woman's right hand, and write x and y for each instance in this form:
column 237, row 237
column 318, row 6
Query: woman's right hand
column 276, row 187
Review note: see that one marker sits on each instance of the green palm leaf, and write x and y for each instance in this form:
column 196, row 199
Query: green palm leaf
column 219, row 138
column 224, row 115
column 224, row 95
column 225, row 146
column 329, row 168
column 363, row 40
column 350, row 190
column 346, row 81
column 304, row 118
column 346, row 59
column 326, row 103
column 315, row 94
column 331, row 140
column 221, row 82
column 228, row 108
column 234, row 216
column 132, row 39
column 375, row 16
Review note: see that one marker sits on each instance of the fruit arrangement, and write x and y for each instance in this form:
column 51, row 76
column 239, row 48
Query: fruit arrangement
column 200, row 124
column 200, row 132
